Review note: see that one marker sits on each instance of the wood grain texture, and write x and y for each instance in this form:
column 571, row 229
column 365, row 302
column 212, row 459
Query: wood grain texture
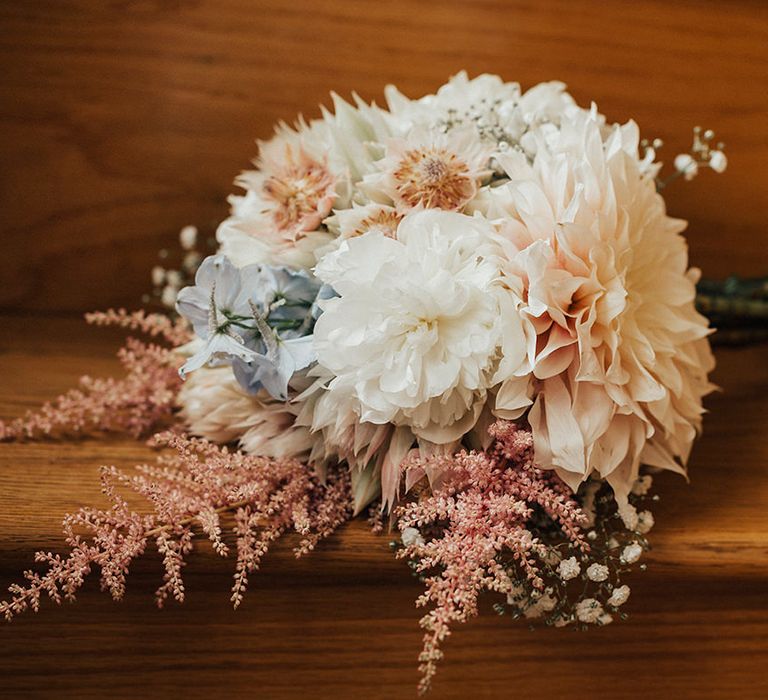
column 341, row 623
column 124, row 120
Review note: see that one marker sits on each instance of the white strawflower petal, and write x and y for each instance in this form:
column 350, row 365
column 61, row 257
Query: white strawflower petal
column 543, row 604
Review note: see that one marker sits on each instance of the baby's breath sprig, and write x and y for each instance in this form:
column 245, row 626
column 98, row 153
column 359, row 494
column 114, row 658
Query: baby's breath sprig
column 584, row 588
column 704, row 153
column 167, row 281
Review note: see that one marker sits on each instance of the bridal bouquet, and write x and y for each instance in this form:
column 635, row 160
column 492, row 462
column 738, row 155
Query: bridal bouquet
column 469, row 314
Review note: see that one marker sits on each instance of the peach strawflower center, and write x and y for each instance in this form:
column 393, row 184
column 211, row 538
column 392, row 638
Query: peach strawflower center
column 434, row 178
column 302, row 195
column 383, row 221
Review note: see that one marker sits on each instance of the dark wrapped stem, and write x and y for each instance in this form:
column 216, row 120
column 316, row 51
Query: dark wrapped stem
column 737, row 307
column 732, row 307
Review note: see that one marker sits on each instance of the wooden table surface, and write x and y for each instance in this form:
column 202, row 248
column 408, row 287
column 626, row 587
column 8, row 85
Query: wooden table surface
column 341, row 623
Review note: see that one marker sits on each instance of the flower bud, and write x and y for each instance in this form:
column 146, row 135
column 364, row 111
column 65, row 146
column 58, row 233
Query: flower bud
column 718, row 161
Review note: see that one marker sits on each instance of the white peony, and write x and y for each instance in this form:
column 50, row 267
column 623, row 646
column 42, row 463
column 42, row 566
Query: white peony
column 416, row 332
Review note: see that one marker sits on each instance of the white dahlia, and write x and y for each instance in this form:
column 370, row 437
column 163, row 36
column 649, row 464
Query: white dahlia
column 620, row 359
column 416, row 333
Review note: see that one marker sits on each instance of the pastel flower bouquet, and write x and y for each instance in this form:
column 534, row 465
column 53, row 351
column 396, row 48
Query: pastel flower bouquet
column 467, row 314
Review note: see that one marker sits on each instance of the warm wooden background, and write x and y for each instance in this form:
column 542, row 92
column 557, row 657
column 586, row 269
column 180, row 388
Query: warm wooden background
column 122, row 121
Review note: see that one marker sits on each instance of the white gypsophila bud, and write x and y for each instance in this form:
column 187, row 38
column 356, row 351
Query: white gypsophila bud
column 589, row 610
column 188, row 237
column 552, row 557
column 642, row 485
column 619, row 596
column 718, row 161
column 174, row 278
column 517, row 595
column 645, row 521
column 411, row 536
column 568, row 569
column 631, row 553
column 628, row 515
column 597, row 572
column 168, row 297
column 158, row 275
column 646, row 164
column 686, row 164
column 191, row 261
column 545, row 603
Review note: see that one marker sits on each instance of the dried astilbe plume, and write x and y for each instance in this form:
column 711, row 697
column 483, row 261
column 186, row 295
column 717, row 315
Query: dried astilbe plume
column 135, row 404
column 174, row 330
column 473, row 535
column 193, row 486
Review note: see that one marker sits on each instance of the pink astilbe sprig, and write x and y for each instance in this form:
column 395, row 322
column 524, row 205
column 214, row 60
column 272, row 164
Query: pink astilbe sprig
column 190, row 487
column 175, row 330
column 140, row 401
column 473, row 535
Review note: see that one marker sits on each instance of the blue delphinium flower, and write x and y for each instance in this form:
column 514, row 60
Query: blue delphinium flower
column 259, row 318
